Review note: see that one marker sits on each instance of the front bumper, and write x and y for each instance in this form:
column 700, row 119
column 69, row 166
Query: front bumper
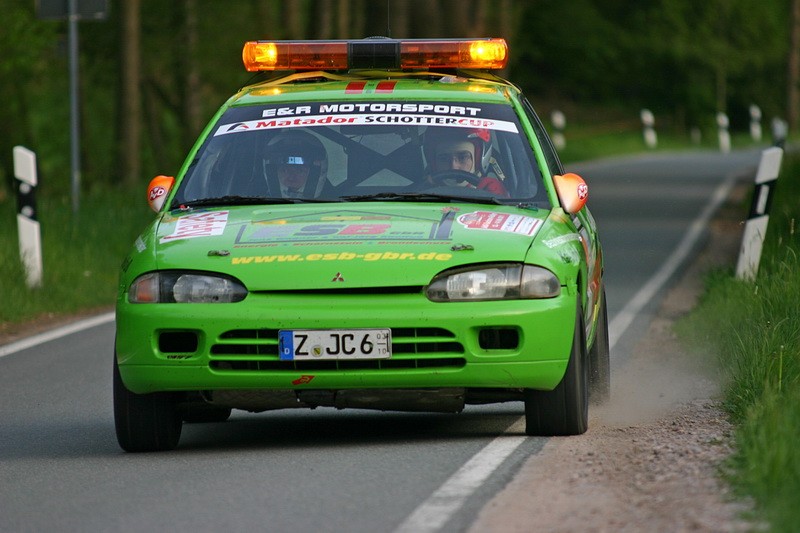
column 499, row 344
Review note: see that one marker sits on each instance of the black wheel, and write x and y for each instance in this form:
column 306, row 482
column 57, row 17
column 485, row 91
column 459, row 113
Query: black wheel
column 145, row 422
column 599, row 359
column 454, row 177
column 204, row 413
column 565, row 409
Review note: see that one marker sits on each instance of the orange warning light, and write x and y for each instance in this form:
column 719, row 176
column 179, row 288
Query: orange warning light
column 390, row 54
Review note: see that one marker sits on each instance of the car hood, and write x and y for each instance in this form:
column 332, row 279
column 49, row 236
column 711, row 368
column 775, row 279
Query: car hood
column 323, row 246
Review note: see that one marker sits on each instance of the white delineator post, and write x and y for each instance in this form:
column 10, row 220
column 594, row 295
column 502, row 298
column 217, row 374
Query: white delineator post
column 648, row 128
column 756, row 227
column 755, row 123
column 30, row 241
column 723, row 133
column 559, row 122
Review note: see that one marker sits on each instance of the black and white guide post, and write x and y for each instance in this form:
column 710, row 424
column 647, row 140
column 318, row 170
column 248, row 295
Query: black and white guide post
column 30, row 242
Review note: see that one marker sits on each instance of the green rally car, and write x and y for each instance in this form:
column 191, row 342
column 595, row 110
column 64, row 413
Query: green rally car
column 373, row 224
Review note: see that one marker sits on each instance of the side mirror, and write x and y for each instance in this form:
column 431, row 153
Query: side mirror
column 572, row 192
column 158, row 190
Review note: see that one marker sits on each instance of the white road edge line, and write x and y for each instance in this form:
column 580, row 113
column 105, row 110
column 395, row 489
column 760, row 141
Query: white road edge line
column 622, row 320
column 434, row 513
column 57, row 333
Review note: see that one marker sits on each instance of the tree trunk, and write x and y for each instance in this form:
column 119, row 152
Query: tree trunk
column 793, row 71
column 429, row 21
column 293, row 16
column 343, row 30
column 155, row 133
column 399, row 16
column 358, row 19
column 191, row 102
column 131, row 95
column 459, row 18
column 480, row 24
column 509, row 18
column 323, row 19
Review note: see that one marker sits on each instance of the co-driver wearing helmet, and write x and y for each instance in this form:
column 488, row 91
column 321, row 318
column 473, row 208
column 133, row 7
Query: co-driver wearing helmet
column 462, row 155
column 299, row 162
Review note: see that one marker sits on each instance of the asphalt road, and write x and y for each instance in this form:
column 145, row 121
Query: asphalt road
column 652, row 212
column 323, row 470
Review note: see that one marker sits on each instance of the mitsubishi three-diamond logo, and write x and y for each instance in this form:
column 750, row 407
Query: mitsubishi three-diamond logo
column 338, row 277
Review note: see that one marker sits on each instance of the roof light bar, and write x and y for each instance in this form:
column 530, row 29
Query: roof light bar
column 411, row 54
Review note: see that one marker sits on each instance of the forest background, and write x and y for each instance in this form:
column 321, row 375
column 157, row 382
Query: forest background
column 152, row 73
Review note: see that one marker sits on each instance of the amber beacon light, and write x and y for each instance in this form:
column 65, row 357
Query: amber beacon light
column 411, row 54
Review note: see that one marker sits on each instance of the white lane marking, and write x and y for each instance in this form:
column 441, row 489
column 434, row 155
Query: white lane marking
column 57, row 333
column 450, row 497
column 626, row 316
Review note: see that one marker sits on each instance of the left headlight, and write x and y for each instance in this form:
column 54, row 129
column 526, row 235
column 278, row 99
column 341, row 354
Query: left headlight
column 185, row 287
column 494, row 282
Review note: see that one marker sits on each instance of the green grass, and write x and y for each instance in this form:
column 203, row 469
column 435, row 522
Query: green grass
column 81, row 253
column 753, row 330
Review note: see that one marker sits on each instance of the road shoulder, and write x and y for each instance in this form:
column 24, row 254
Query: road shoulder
column 652, row 458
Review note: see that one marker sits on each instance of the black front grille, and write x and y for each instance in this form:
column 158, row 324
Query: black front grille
column 498, row 338
column 177, row 341
column 247, row 342
column 257, row 349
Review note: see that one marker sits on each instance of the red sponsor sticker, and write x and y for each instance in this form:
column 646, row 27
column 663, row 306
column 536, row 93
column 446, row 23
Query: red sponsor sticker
column 504, row 222
column 198, row 225
column 302, row 380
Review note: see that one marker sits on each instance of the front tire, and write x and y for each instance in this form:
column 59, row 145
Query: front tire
column 565, row 409
column 600, row 359
column 145, row 422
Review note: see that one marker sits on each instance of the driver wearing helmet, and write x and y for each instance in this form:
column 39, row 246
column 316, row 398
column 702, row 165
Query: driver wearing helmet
column 462, row 155
column 296, row 164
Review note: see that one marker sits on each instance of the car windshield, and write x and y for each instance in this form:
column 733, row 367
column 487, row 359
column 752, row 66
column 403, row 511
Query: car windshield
column 355, row 152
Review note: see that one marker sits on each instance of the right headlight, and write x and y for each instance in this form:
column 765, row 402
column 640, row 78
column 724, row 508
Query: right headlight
column 185, row 287
column 493, row 282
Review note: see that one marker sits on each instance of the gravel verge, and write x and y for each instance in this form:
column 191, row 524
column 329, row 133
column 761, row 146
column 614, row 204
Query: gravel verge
column 652, row 458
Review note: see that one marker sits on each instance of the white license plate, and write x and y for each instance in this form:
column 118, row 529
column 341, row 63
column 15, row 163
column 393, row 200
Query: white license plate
column 314, row 344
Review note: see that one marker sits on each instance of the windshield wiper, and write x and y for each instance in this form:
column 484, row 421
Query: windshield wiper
column 421, row 197
column 247, row 200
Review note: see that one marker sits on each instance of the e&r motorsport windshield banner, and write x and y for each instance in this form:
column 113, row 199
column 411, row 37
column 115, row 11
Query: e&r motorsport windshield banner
column 488, row 116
